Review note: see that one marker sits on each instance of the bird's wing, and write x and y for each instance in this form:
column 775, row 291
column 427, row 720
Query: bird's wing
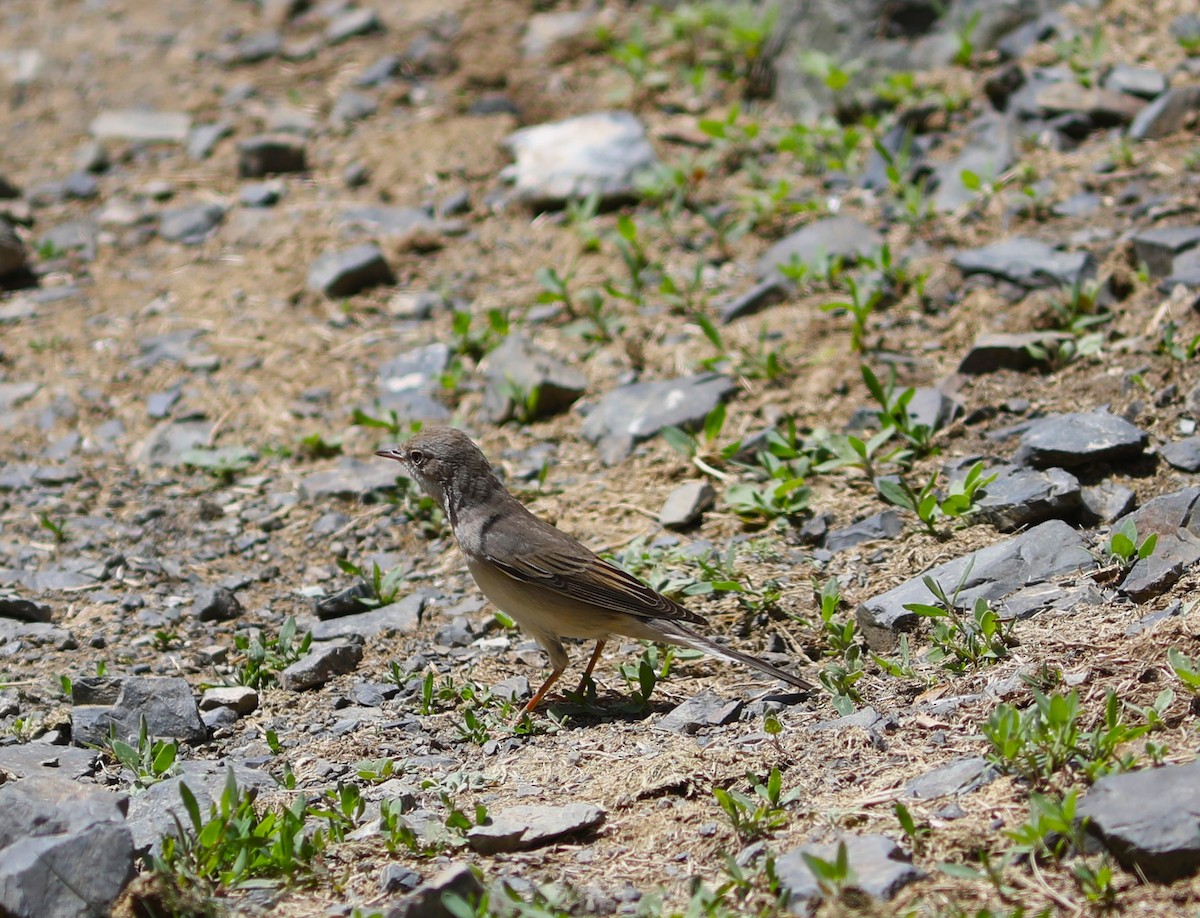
column 578, row 574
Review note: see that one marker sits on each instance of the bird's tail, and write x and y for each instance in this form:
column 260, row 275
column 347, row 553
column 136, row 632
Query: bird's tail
column 689, row 638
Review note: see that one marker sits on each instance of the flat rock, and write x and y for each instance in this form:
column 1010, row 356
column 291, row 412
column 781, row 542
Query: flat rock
column 1175, row 519
column 1046, row 551
column 1183, row 454
column 685, row 505
column 959, row 777
column 271, row 154
column 23, row 610
column 1106, row 501
column 1038, row 598
column 1027, row 262
column 988, row 152
column 1021, row 497
column 1149, row 820
column 352, row 23
column 239, row 698
column 350, row 479
column 323, row 664
column 28, row 759
column 523, row 828
column 704, row 710
column 843, row 236
column 599, row 153
column 191, row 224
column 887, row 524
column 406, row 228
column 763, row 294
column 1103, row 107
column 630, row 414
column 165, row 703
column 519, row 370
column 1080, row 438
column 880, row 869
column 547, row 33
column 346, row 272
column 1145, row 82
column 142, row 126
column 203, row 138
column 400, row 617
column 426, row 901
column 410, row 382
column 1158, row 247
column 1167, row 114
column 65, row 850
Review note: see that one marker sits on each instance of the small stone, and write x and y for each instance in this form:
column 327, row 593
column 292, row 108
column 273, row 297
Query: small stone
column 757, row 298
column 1145, row 82
column 704, row 710
column 1183, row 454
column 190, row 225
column 216, row 604
column 1106, row 501
column 1159, row 247
column 886, row 524
column 239, row 698
column 260, row 194
column 203, row 138
column 427, row 901
column 527, row 382
column 1079, row 438
column 320, row 666
column 142, row 126
column 525, row 827
column 959, row 777
column 348, row 271
column 843, row 236
column 1167, row 114
column 879, row 867
column 401, row 617
column 685, row 505
column 351, row 24
column 270, row 154
column 1027, row 263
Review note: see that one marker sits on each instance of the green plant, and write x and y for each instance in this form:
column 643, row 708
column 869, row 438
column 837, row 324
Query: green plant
column 265, row 657
column 468, row 340
column 893, row 411
column 860, row 307
column 1123, row 548
column 760, row 812
column 834, row 878
column 964, row 34
column 385, row 587
column 316, row 446
column 1053, row 832
column 848, row 451
column 1169, row 346
column 961, row 642
column 917, row 835
column 1186, row 670
column 581, row 215
column 961, row 503
column 629, row 246
column 912, row 193
column 56, row 526
column 164, row 638
column 223, row 463
column 389, row 421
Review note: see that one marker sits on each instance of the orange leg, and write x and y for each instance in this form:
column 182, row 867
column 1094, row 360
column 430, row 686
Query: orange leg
column 541, row 693
column 591, row 665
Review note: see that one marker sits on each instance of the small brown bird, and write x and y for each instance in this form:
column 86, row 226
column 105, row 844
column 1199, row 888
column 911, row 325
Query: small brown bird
column 549, row 583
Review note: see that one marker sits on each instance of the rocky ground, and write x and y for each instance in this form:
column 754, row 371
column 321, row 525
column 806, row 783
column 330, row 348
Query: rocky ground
column 804, row 315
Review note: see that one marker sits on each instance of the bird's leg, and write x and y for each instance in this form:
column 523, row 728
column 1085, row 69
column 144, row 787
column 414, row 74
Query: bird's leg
column 541, row 693
column 587, row 673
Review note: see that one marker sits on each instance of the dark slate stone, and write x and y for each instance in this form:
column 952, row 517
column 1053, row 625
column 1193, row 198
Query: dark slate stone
column 1176, row 522
column 1049, row 597
column 270, row 154
column 1106, row 501
column 350, row 478
column 626, row 416
column 166, row 704
column 1158, row 247
column 1080, row 438
column 352, row 23
column 1001, row 84
column 518, row 364
column 343, row 602
column 1183, row 454
column 351, row 106
column 933, row 408
column 321, row 665
column 599, row 153
column 880, row 870
column 842, row 236
column 259, row 194
column 380, row 72
column 523, row 828
column 427, row 900
column 1083, row 204
column 78, row 236
column 216, row 604
column 159, row 404
column 1149, row 820
column 409, row 383
column 65, row 850
column 1166, row 114
column 82, row 186
column 250, row 49
column 28, row 759
column 1027, row 263
column 169, row 441
column 1145, row 623
column 988, row 152
column 190, row 225
column 704, row 710
column 348, row 271
column 1185, row 269
column 24, row 610
column 886, row 524
column 400, row 617
column 685, row 505
column 1145, row 82
column 1036, row 555
column 958, row 777
column 1021, row 497
column 756, row 299
column 1102, row 107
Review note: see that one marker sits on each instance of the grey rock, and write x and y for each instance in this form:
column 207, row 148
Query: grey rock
column 351, row 24
column 599, row 153
column 141, row 126
column 14, row 258
column 190, row 225
column 260, row 194
column 350, row 479
column 159, row 404
column 167, row 443
column 216, row 604
column 865, row 719
column 1027, row 263
column 15, row 394
column 756, row 299
column 349, row 271
column 548, row 34
column 1145, row 82
column 685, row 505
column 886, row 524
column 65, row 850
column 1149, row 820
column 514, row 688
column 1106, row 501
column 989, row 151
column 1046, row 597
column 323, row 664
column 843, row 236
column 271, row 154
column 250, row 49
column 958, row 777
column 239, row 698
column 1079, row 438
column 405, row 227
column 410, row 382
column 1036, row 555
column 1174, row 519
column 630, row 414
column 1167, row 114
column 427, row 900
column 519, row 369
column 78, row 236
column 1083, row 204
column 1183, row 454
column 380, row 72
column 351, row 106
column 704, row 710
column 525, row 827
column 166, row 704
column 400, row 617
column 23, row 610
column 1185, row 269
column 1102, row 107
column 880, row 869
column 1021, row 497
column 344, row 602
column 82, row 186
column 1145, row 623
column 25, row 760
column 931, row 407
column 1158, row 247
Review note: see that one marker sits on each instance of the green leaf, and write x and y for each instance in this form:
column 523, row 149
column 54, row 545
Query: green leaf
column 971, row 180
column 679, row 440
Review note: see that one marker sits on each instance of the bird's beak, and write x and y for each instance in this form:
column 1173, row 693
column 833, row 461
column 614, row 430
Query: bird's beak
column 389, row 452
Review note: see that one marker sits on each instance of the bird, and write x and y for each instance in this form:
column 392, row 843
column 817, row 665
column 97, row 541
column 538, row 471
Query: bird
column 545, row 580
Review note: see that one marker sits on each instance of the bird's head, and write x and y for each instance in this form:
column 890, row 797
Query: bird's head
column 442, row 460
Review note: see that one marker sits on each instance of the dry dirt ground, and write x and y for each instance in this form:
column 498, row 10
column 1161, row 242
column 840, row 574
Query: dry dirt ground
column 244, row 288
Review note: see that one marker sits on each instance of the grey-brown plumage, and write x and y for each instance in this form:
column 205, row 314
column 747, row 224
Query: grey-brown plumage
column 549, row 583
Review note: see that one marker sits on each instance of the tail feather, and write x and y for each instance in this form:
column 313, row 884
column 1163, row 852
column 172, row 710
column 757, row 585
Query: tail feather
column 681, row 635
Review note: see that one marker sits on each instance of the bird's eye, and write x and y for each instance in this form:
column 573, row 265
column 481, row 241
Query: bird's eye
column 416, row 456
